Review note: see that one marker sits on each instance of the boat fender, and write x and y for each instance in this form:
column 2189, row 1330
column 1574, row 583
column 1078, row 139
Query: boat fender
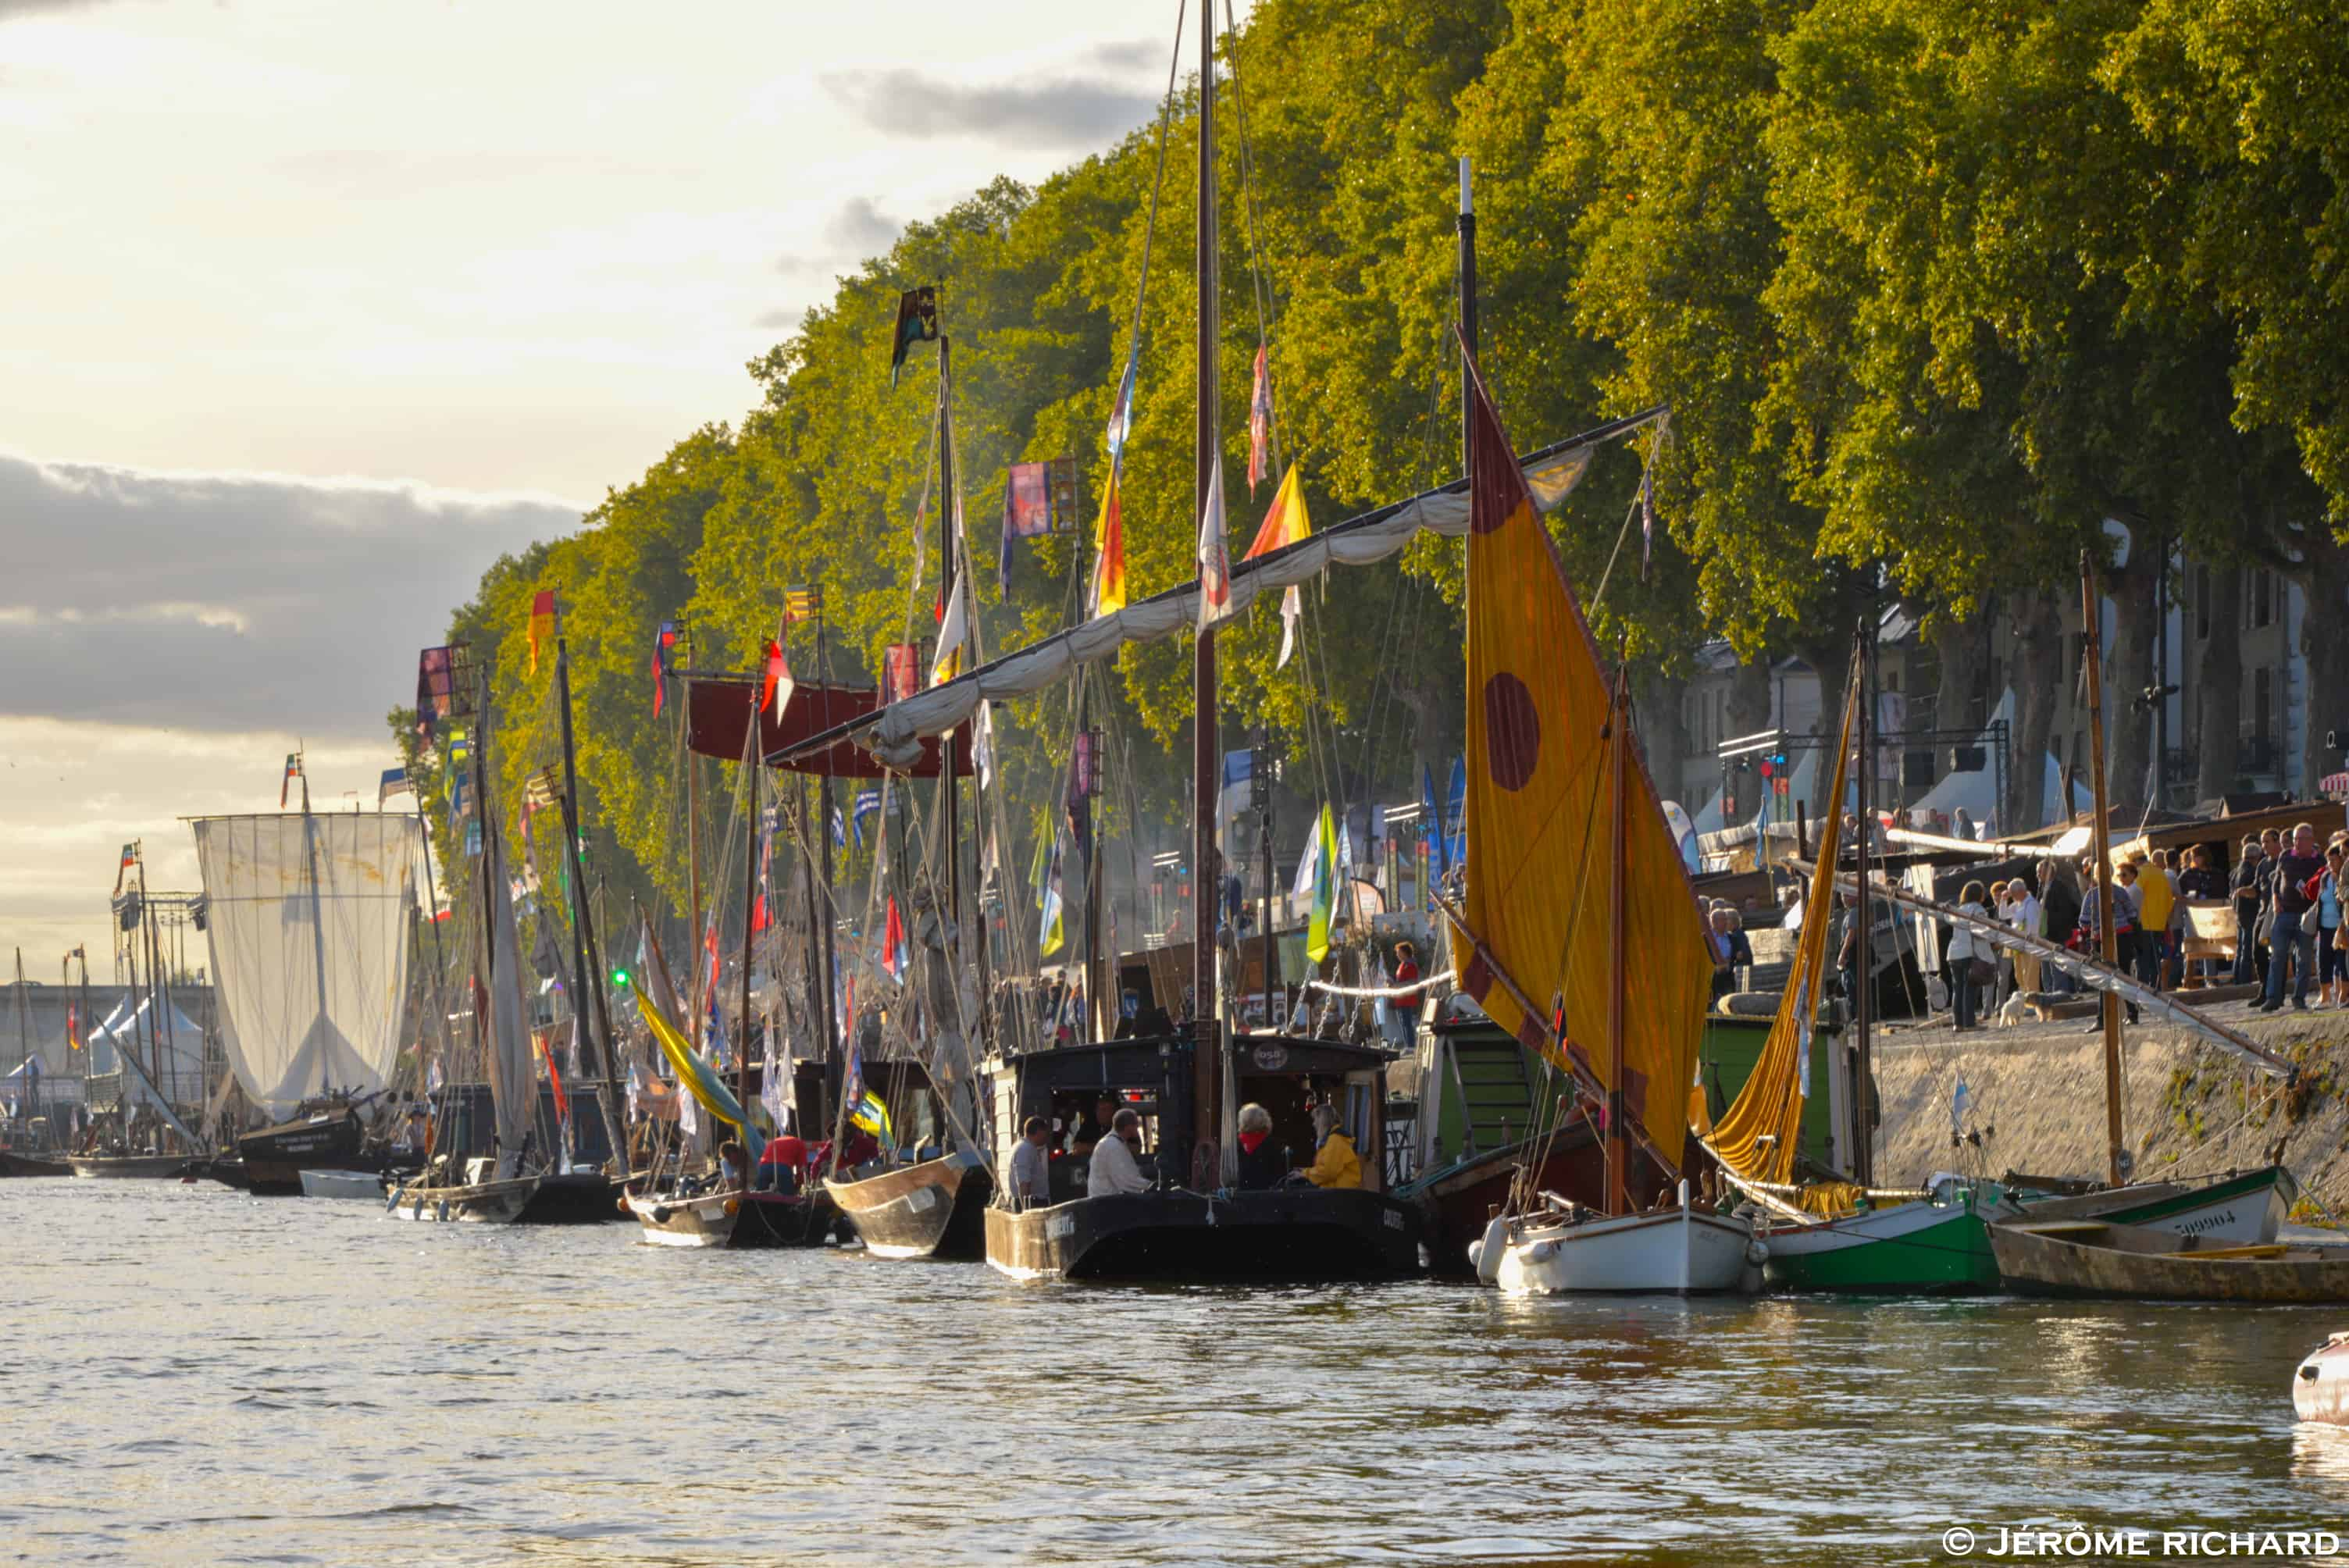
column 1755, row 1253
column 1486, row 1253
column 661, row 1213
column 420, row 1209
column 1477, row 1253
column 393, row 1202
column 1541, row 1252
column 734, row 1205
column 442, row 1213
column 621, row 1203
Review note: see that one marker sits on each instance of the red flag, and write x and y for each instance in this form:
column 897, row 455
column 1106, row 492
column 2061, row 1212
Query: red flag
column 893, row 943
column 292, row 771
column 553, row 1077
column 659, row 685
column 900, row 672
column 777, row 693
column 541, row 624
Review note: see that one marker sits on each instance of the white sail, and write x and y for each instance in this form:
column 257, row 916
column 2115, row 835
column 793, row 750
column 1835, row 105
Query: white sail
column 308, row 921
column 512, row 1075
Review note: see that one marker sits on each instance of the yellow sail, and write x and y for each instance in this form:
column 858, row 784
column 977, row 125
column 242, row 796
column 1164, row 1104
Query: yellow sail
column 1756, row 1136
column 1539, row 821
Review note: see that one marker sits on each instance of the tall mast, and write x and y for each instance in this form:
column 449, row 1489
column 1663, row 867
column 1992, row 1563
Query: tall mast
column 2101, row 833
column 317, row 916
column 750, row 766
column 1864, row 1005
column 819, row 912
column 23, row 1031
column 950, row 576
column 587, row 962
column 1206, row 773
column 693, row 838
column 1619, row 1175
column 1467, row 223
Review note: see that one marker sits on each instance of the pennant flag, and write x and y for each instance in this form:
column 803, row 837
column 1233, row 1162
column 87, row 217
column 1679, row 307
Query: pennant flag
column 541, row 624
column 394, row 782
column 131, row 858
column 983, row 744
column 839, row 830
column 1121, row 413
column 1215, row 555
column 1261, row 423
column 292, row 771
column 1325, row 887
column 1038, row 498
column 777, row 693
column 1106, row 594
column 1292, row 611
column 869, row 803
column 435, row 690
column 664, row 644
column 953, row 633
column 773, row 1078
column 1307, row 863
column 893, row 943
column 872, row 1116
column 1287, row 522
column 73, row 1026
column 802, row 604
column 917, row 322
column 554, row 1074
column 1049, row 933
column 898, row 666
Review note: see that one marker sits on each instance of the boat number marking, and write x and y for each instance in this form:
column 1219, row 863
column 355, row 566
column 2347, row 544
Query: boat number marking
column 1060, row 1225
column 1394, row 1221
column 921, row 1197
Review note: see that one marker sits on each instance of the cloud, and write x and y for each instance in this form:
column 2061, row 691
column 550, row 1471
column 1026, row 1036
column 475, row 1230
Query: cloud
column 1057, row 113
column 1132, row 54
column 236, row 602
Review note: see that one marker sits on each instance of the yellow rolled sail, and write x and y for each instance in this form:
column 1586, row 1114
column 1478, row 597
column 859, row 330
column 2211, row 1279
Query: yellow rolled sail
column 1756, row 1136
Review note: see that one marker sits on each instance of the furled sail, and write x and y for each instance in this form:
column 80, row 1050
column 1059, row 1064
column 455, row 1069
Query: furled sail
column 1540, row 819
column 894, row 732
column 308, row 923
column 1756, row 1136
column 513, row 1074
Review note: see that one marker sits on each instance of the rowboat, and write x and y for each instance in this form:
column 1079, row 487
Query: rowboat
column 499, row 1202
column 2320, row 1388
column 935, row 1208
column 735, row 1219
column 1681, row 1250
column 362, row 1184
column 2098, row 1258
column 133, row 1167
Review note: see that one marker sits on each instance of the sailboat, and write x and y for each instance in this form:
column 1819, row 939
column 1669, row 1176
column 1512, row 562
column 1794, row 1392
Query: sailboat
column 308, row 922
column 1571, row 867
column 495, row 1188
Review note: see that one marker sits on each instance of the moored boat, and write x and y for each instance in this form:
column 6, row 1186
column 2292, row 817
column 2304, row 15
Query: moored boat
column 15, row 1162
column 735, row 1219
column 129, row 1167
column 483, row 1199
column 2099, row 1258
column 361, row 1184
column 935, row 1208
column 323, row 1134
column 1681, row 1249
column 2320, row 1385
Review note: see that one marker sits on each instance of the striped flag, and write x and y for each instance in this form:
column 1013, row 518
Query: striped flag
column 394, row 782
column 292, row 771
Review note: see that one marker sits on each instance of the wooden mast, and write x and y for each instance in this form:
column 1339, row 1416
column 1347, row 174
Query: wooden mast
column 587, row 962
column 1619, row 1179
column 950, row 574
column 751, row 767
column 1206, row 772
column 1863, row 1096
column 2101, row 833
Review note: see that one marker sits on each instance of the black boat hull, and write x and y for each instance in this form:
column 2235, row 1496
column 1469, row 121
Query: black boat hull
column 275, row 1158
column 1289, row 1233
column 934, row 1210
column 15, row 1164
column 574, row 1198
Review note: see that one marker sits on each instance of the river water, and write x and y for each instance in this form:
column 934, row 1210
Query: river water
column 193, row 1376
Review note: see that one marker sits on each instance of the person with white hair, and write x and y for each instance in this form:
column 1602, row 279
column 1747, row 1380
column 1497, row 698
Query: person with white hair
column 1262, row 1162
column 1113, row 1169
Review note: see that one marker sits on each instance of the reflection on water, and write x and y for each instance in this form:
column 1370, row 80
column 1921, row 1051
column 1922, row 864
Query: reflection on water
column 198, row 1376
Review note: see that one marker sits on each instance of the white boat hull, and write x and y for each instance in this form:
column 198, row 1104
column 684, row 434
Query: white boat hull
column 361, row 1184
column 707, row 1221
column 2320, row 1388
column 1675, row 1252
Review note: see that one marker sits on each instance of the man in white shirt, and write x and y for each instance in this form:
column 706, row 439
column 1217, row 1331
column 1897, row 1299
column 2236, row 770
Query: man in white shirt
column 1113, row 1169
column 1031, row 1176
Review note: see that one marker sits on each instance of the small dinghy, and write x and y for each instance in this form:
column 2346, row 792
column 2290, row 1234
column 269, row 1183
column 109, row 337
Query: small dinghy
column 1679, row 1249
column 2320, row 1389
column 362, row 1184
column 733, row 1218
column 2098, row 1258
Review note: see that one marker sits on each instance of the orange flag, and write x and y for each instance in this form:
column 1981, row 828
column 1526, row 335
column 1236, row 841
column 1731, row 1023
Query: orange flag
column 1285, row 523
column 541, row 624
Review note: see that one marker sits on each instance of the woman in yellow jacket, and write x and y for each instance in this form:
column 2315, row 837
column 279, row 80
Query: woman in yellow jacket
column 1337, row 1164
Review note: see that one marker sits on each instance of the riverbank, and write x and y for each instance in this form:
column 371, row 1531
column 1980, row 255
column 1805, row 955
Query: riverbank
column 2037, row 1093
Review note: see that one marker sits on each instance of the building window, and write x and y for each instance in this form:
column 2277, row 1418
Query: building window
column 2201, row 606
column 2262, row 598
column 2263, row 700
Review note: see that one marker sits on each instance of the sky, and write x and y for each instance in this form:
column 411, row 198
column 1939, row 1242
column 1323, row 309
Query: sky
column 310, row 311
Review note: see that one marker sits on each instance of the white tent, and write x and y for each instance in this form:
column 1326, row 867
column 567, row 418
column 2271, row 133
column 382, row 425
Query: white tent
column 1976, row 793
column 164, row 1041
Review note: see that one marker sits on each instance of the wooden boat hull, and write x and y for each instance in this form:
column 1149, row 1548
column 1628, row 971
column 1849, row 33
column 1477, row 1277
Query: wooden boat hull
column 366, row 1185
column 2241, row 1210
column 478, row 1203
column 2320, row 1387
column 936, row 1209
column 12, row 1164
column 129, row 1167
column 736, row 1219
column 1686, row 1251
column 2097, row 1259
column 1919, row 1248
column 1288, row 1234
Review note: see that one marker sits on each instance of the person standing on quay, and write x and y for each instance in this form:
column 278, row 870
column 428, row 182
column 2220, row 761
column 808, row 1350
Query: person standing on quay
column 2297, row 870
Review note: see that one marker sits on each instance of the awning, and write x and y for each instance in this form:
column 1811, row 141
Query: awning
column 717, row 706
column 895, row 731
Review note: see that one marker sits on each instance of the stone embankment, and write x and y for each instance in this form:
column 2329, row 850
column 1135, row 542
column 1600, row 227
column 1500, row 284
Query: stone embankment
column 2037, row 1093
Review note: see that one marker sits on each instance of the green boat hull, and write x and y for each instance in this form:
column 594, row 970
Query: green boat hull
column 1947, row 1254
